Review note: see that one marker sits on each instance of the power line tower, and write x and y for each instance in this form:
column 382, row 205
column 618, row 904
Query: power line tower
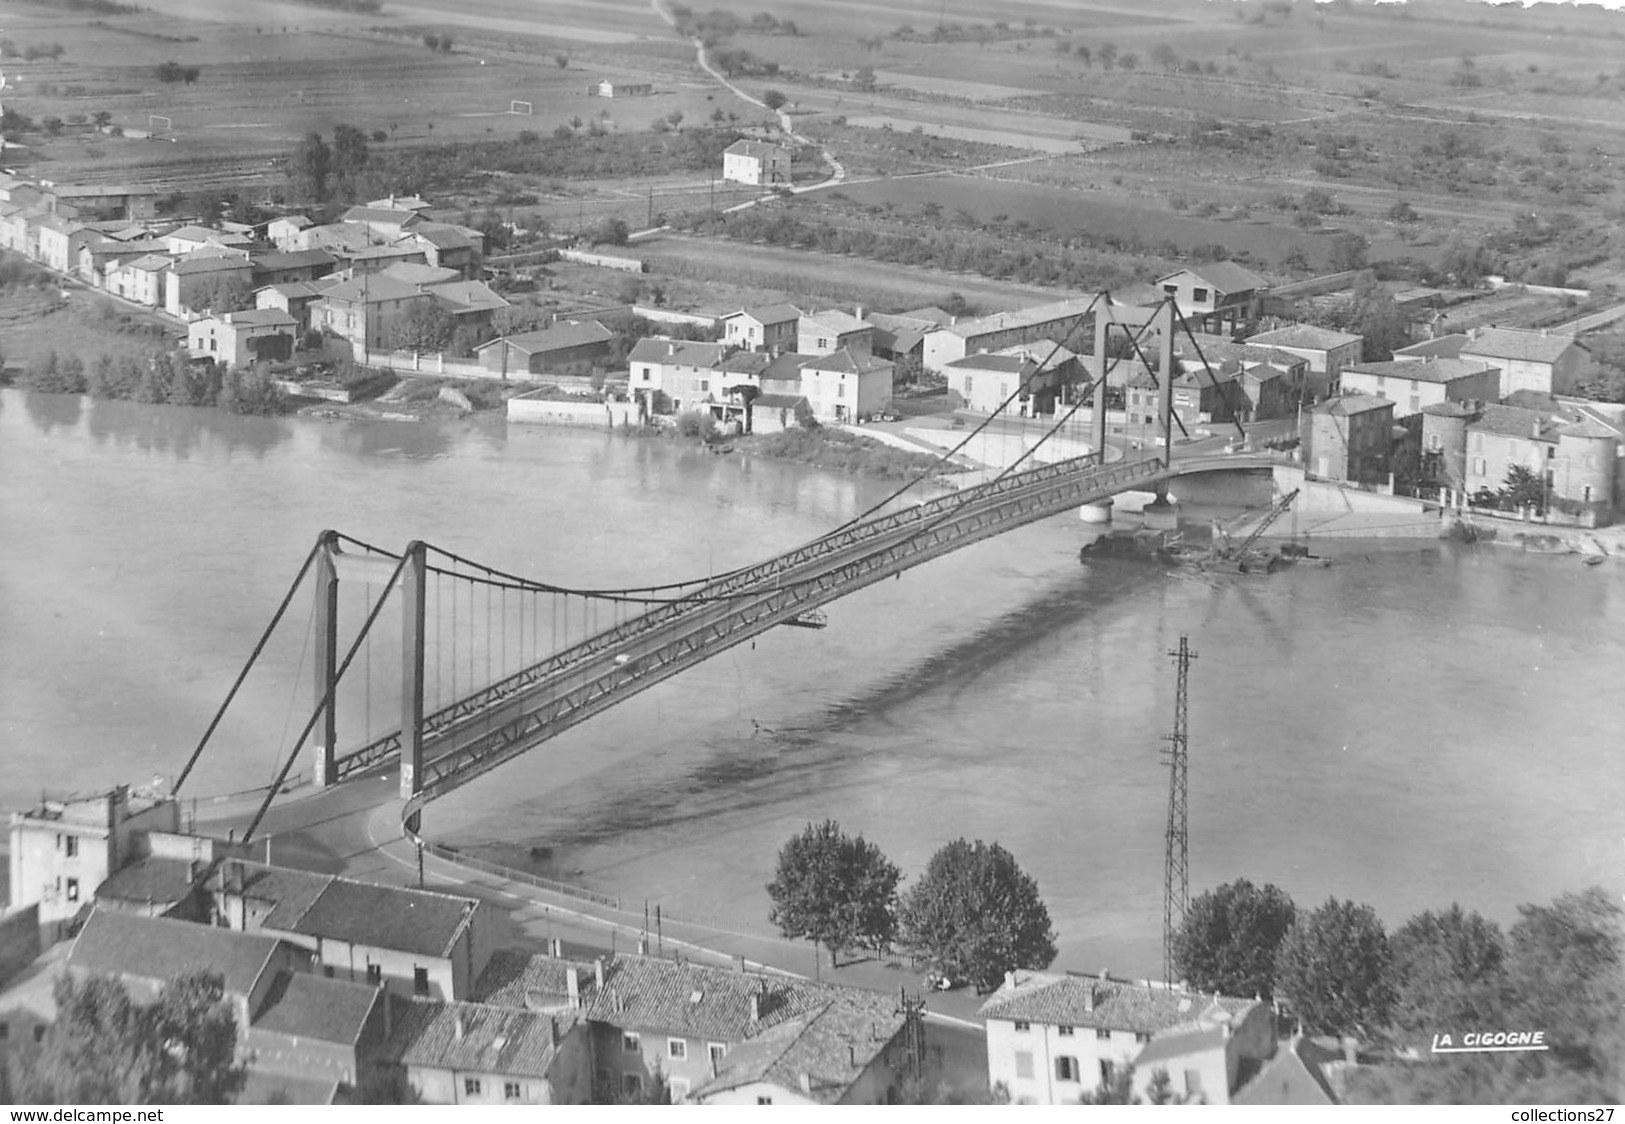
column 1176, row 866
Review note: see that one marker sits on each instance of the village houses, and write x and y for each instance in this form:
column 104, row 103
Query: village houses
column 757, row 163
column 1418, row 383
column 771, row 328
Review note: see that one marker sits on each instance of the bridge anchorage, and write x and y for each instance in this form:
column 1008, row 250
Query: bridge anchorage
column 492, row 664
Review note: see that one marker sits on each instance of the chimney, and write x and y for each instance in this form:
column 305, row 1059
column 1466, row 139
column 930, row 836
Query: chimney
column 857, row 310
column 556, row 948
column 1351, row 1050
column 755, row 1006
column 552, row 1032
column 739, row 965
column 852, row 1055
column 457, row 1026
column 643, row 946
column 1010, row 978
column 806, row 1084
column 1535, row 425
column 599, row 965
column 1089, row 998
column 572, row 983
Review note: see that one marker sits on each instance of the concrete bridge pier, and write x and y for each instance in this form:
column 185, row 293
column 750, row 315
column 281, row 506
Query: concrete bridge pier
column 1098, row 513
column 1162, row 513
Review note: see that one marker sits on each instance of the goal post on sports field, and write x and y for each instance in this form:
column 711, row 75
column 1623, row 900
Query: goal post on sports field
column 520, row 109
column 159, row 126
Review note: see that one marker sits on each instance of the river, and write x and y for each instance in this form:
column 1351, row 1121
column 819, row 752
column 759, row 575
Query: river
column 1420, row 723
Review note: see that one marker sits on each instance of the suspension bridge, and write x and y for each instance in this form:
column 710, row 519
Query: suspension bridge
column 492, row 664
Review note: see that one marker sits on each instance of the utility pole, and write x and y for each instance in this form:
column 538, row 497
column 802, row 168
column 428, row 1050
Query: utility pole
column 1176, row 867
column 913, row 1012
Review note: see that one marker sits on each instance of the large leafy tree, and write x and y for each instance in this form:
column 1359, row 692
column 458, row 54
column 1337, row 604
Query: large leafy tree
column 1229, row 938
column 106, row 1049
column 977, row 915
column 836, row 889
column 1333, row 968
column 427, row 326
column 1447, row 970
column 309, row 167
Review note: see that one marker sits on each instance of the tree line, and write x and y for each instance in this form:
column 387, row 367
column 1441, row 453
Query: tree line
column 1560, row 969
column 161, row 378
column 973, row 915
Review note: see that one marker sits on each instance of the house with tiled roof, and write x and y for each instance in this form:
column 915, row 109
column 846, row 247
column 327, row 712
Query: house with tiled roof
column 832, row 330
column 902, row 335
column 1051, row 1037
column 1217, row 293
column 145, row 953
column 384, row 222
column 143, row 280
column 1295, row 1075
column 849, row 1051
column 193, row 279
column 412, row 942
column 1348, row 438
column 319, row 1031
column 1576, row 456
column 1439, row 347
column 294, row 297
column 1326, row 351
column 735, row 1037
column 1416, row 383
column 1539, row 360
column 755, row 162
column 447, row 245
column 477, row 1053
column 191, row 238
column 284, row 232
column 237, row 339
column 986, row 381
column 687, row 372
column 278, row 266
column 1058, row 320
column 365, row 310
column 473, row 303
column 768, row 327
column 846, row 386
column 564, row 349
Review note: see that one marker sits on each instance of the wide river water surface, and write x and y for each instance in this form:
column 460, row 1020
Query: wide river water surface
column 1418, row 724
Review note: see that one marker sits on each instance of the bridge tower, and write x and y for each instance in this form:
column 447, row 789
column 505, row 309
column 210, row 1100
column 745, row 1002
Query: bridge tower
column 414, row 583
column 1115, row 322
column 1176, row 867
column 325, row 659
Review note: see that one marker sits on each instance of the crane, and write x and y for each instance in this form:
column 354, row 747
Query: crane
column 1238, row 554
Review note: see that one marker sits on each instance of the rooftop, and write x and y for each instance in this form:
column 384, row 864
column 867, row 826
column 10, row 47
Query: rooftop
column 845, row 360
column 1224, row 276
column 1514, row 343
column 441, row 235
column 984, row 361
column 768, row 313
column 291, row 259
column 1070, row 309
column 156, row 948
column 149, row 879
column 475, row 1037
column 514, row 978
column 1434, row 370
column 1515, row 421
column 1351, row 404
column 1439, row 347
column 1307, row 336
column 687, row 353
column 416, row 921
column 1105, row 1004
column 372, row 288
column 835, row 321
column 828, row 1048
column 260, row 318
column 384, row 216
column 1181, row 1043
column 654, row 994
column 753, row 148
column 467, row 296
column 310, row 1006
column 556, row 338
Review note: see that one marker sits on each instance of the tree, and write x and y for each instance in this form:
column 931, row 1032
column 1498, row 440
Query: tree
column 834, row 889
column 170, row 71
column 106, row 1049
column 1117, row 1088
column 309, row 166
column 349, row 153
column 612, row 232
column 1523, row 488
column 976, row 915
column 773, row 99
column 1165, row 57
column 1230, row 936
column 1447, row 969
column 222, row 293
column 1349, row 252
column 1332, row 967
column 426, row 326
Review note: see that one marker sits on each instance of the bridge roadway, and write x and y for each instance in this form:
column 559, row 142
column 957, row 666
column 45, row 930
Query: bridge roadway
column 478, row 733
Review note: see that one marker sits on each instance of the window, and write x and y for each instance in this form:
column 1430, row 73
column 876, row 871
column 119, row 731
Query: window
column 1142, row 1036
column 631, row 1084
column 1413, row 385
column 1024, row 1063
column 1435, row 442
column 420, row 981
column 1478, row 442
column 1065, row 1031
column 822, row 342
column 705, row 385
column 1478, row 466
column 764, row 1100
column 39, row 1032
column 1382, row 381
column 1106, row 1069
column 1416, row 403
column 967, row 386
column 677, row 1048
column 715, row 1050
column 73, row 889
column 1023, row 1027
column 630, row 1043
column 1066, row 1069
column 5, row 1031
column 375, row 974
column 1171, row 290
column 1198, row 295
column 1102, row 1032
column 72, row 845
column 1550, row 452
column 471, row 1086
column 1193, row 1082
column 840, row 391
column 646, row 374
column 510, row 1090
column 679, row 1089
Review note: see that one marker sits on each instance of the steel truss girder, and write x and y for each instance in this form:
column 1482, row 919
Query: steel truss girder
column 705, row 628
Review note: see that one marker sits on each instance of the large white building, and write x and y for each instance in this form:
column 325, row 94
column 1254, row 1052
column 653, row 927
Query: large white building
column 756, row 162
